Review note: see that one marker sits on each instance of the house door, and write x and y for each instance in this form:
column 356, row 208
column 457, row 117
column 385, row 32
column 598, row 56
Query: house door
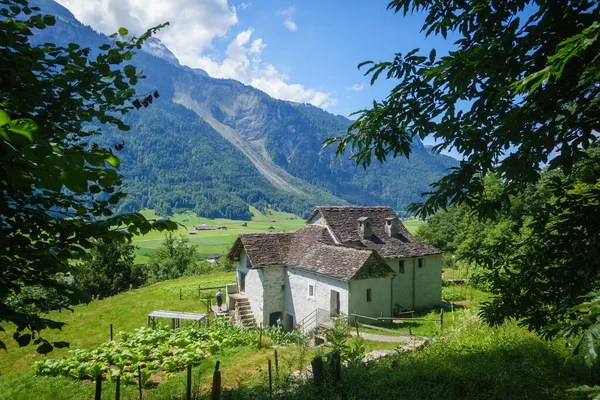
column 334, row 300
column 242, row 282
column 289, row 322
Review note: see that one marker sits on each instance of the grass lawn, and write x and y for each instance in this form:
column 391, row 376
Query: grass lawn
column 413, row 224
column 214, row 241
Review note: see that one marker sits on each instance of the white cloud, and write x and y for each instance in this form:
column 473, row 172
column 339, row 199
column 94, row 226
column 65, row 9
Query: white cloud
column 244, row 64
column 356, row 87
column 193, row 24
column 243, row 6
column 291, row 25
column 289, row 22
column 193, row 27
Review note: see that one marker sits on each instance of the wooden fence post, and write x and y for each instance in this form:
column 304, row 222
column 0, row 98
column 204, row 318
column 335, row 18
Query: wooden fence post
column 188, row 393
column 317, row 369
column 276, row 367
column 140, row 381
column 356, row 323
column 270, row 380
column 180, row 294
column 216, row 387
column 111, row 333
column 334, row 366
column 442, row 319
column 118, row 388
column 98, row 395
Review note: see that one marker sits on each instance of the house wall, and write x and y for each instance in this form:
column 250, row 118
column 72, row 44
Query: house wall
column 426, row 282
column 263, row 289
column 254, row 286
column 381, row 297
column 274, row 292
column 297, row 301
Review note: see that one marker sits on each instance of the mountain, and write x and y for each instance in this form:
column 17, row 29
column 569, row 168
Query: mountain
column 215, row 146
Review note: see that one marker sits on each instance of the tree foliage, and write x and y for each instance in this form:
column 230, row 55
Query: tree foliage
column 517, row 95
column 520, row 89
column 173, row 259
column 110, row 269
column 57, row 190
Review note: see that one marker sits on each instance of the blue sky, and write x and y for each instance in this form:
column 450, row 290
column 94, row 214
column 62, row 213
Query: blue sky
column 305, row 51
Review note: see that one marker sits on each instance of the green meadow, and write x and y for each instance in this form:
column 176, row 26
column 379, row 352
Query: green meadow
column 219, row 241
column 214, row 241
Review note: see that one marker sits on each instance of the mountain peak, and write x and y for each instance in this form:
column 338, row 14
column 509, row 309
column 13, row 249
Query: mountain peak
column 155, row 47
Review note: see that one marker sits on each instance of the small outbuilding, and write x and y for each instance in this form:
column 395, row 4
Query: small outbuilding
column 214, row 257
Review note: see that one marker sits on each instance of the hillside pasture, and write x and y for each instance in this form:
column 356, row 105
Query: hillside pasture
column 214, row 241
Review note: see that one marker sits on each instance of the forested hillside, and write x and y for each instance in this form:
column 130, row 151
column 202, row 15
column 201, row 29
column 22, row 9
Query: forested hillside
column 216, row 146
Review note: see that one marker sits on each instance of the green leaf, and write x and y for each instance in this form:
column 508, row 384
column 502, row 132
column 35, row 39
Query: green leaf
column 113, row 160
column 432, row 55
column 21, row 131
column 76, row 181
column 129, row 71
column 123, row 31
column 4, row 118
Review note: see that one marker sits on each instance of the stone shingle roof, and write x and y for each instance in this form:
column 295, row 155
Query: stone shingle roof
column 310, row 249
column 263, row 249
column 347, row 256
column 313, row 249
column 343, row 222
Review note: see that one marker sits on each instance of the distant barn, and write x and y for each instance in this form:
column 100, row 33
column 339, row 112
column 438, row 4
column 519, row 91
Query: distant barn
column 203, row 227
column 214, row 257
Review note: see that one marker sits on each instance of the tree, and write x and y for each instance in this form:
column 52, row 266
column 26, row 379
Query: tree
column 520, row 90
column 109, row 270
column 518, row 94
column 173, row 259
column 57, row 190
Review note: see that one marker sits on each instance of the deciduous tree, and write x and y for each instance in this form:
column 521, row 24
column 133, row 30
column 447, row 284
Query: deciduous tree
column 57, row 190
column 518, row 94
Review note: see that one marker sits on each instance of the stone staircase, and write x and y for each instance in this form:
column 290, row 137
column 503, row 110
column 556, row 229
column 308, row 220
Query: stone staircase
column 243, row 312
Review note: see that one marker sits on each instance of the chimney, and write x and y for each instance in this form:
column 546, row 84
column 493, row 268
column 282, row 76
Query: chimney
column 364, row 228
column 391, row 227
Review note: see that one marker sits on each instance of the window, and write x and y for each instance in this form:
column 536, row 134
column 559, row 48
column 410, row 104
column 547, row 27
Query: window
column 420, row 263
column 369, row 295
column 311, row 291
column 401, row 267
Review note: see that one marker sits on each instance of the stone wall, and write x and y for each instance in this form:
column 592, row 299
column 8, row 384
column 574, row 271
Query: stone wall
column 427, row 282
column 297, row 300
column 381, row 297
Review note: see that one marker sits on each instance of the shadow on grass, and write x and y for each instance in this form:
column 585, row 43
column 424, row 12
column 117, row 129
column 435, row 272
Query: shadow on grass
column 529, row 369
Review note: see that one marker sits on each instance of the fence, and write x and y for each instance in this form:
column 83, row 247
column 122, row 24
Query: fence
column 393, row 320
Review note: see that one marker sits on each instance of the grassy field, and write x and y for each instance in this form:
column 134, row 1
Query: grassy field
column 89, row 324
column 215, row 241
column 219, row 241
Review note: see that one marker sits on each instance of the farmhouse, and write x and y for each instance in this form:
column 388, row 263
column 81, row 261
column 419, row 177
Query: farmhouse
column 346, row 260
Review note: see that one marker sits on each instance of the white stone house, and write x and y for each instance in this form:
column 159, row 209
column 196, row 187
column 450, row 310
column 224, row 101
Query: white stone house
column 359, row 260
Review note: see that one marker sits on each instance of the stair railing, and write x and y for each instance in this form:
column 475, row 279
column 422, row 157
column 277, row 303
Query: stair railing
column 312, row 321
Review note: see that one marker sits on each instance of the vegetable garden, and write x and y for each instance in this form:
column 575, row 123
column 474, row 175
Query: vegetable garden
column 158, row 352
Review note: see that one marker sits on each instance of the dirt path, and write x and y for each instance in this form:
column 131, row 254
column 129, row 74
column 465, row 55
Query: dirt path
column 383, row 338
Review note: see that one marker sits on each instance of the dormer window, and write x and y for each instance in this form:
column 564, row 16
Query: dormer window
column 365, row 230
column 391, row 227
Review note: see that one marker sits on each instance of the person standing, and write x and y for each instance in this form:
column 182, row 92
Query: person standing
column 219, row 297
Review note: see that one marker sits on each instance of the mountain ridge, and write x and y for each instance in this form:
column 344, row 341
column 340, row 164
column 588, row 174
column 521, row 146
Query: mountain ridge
column 216, row 146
